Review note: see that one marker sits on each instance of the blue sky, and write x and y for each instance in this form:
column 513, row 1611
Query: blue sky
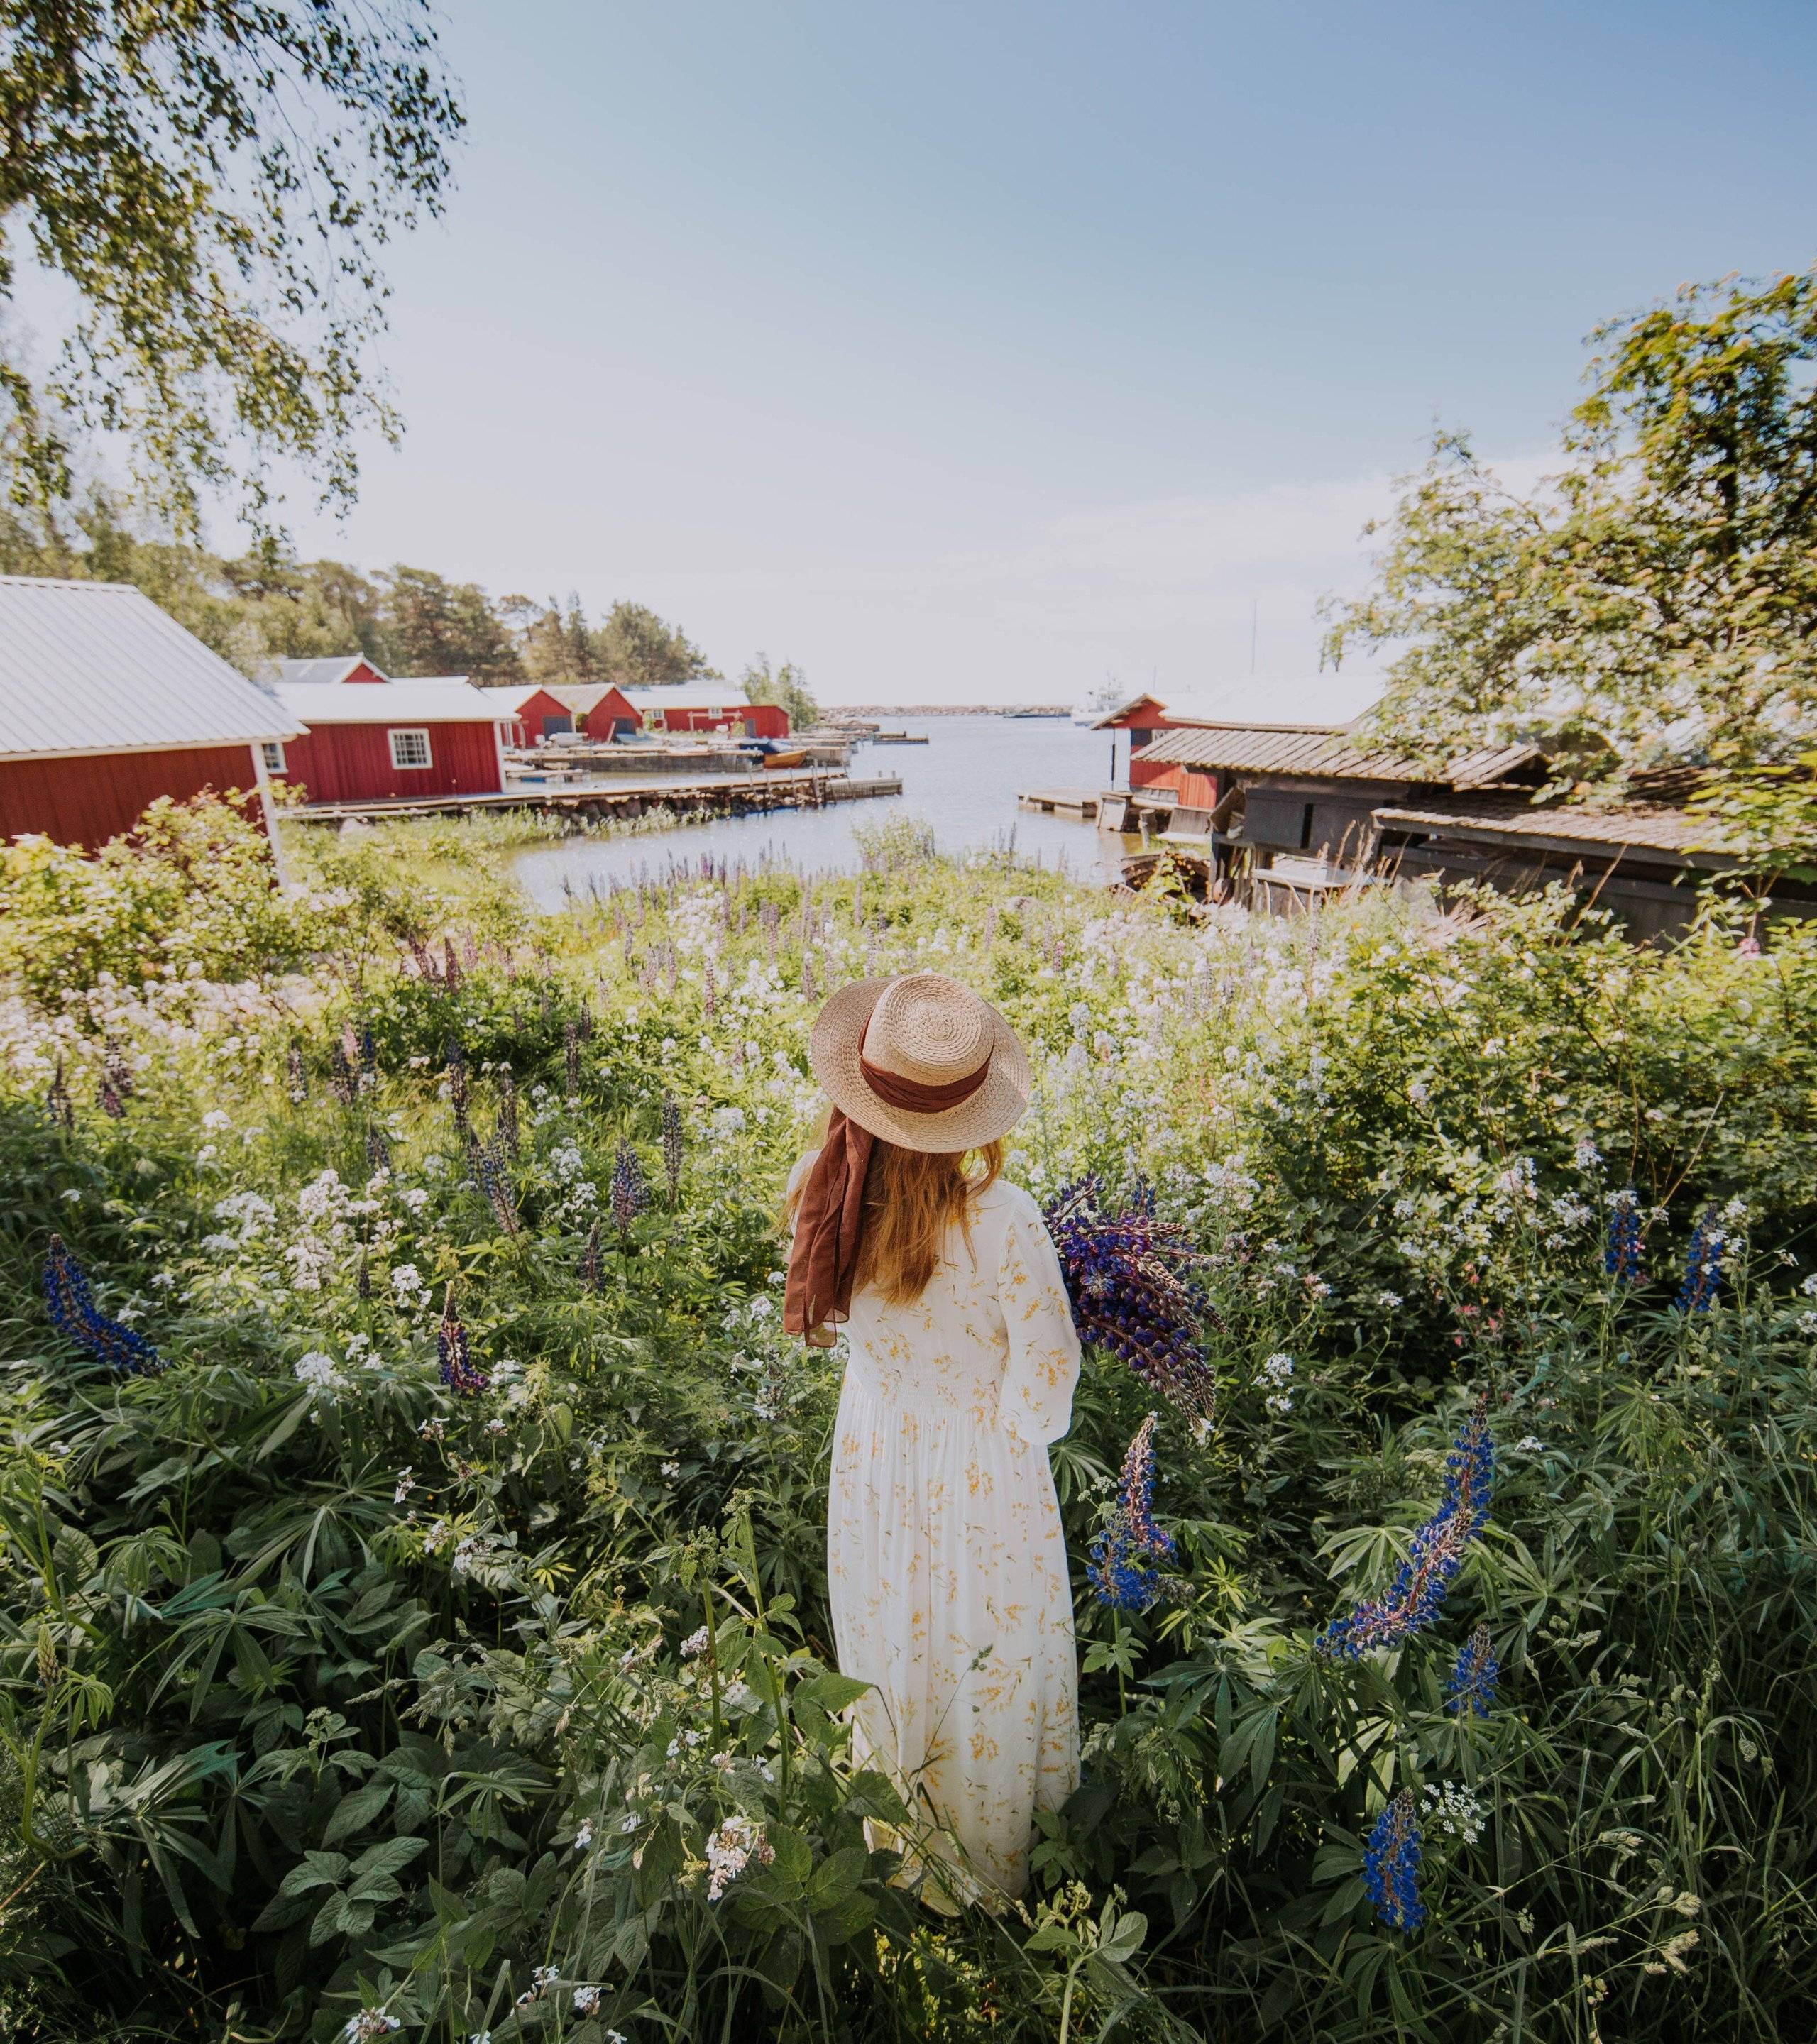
column 979, row 351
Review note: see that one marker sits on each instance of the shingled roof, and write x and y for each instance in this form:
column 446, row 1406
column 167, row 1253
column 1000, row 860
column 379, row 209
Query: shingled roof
column 1326, row 752
column 1636, row 826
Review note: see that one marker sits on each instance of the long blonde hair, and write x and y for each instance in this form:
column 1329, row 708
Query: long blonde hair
column 912, row 1197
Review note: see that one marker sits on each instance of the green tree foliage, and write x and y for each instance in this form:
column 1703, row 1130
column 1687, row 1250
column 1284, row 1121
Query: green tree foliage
column 558, row 647
column 787, row 686
column 213, row 183
column 1655, row 602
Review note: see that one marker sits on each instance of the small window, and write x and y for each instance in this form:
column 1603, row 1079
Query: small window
column 409, row 748
column 273, row 749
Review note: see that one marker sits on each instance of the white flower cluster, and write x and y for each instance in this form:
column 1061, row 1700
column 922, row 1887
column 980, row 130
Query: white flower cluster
column 369, row 2023
column 1455, row 1811
column 730, row 1849
column 1276, row 1376
column 318, row 1373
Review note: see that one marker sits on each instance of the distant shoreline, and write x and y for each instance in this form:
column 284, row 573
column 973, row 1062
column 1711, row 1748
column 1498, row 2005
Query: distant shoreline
column 831, row 710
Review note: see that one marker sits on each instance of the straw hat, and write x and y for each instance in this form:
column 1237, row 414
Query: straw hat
column 927, row 1028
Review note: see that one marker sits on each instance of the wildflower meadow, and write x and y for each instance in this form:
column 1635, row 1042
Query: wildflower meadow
column 412, row 1616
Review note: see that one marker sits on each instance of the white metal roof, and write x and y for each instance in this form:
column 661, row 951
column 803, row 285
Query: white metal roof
column 396, row 703
column 316, row 674
column 716, row 696
column 96, row 666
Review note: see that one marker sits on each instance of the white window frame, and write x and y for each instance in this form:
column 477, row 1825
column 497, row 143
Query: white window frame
column 271, row 751
column 417, row 731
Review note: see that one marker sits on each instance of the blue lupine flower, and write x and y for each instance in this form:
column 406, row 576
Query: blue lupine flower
column 455, row 1059
column 1438, row 1553
column 592, row 1267
column 1125, row 1282
column 672, row 1145
column 1131, row 1535
column 1391, row 1865
column 1621, row 1252
column 508, row 1112
column 75, row 1314
column 629, row 1195
column 1471, row 1690
column 58, row 1108
column 459, row 1372
column 1702, row 1266
column 494, row 1181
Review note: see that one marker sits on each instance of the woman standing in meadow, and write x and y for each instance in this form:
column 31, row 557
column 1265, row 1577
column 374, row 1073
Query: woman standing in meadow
column 947, row 1567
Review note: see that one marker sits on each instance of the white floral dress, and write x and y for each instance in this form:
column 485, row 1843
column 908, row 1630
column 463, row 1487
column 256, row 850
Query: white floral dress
column 947, row 1561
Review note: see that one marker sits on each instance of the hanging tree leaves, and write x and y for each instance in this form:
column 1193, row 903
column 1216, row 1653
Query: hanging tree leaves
column 212, row 184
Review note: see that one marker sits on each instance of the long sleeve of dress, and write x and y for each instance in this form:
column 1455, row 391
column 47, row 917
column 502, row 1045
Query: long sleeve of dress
column 1036, row 1402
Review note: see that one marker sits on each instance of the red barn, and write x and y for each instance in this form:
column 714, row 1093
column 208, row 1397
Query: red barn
column 707, row 707
column 601, row 709
column 391, row 743
column 106, row 703
column 530, row 715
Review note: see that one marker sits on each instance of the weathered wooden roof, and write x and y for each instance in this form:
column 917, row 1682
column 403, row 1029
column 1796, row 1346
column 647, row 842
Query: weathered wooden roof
column 1326, row 751
column 1639, row 826
column 96, row 666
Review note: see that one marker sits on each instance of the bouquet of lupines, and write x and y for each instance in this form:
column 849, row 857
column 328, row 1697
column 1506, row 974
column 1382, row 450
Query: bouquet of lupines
column 1125, row 1272
column 1116, row 1570
column 75, row 1315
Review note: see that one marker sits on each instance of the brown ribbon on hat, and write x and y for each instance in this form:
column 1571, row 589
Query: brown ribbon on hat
column 829, row 1221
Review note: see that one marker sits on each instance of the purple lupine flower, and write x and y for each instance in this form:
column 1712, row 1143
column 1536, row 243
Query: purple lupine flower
column 362, row 1276
column 459, row 1373
column 108, row 1100
column 299, row 1075
column 118, row 1067
column 709, row 992
column 1391, row 1865
column 583, row 1021
column 495, row 1181
column 1131, row 1536
column 591, row 1264
column 1702, row 1266
column 342, row 1081
column 378, row 1149
column 1125, row 1282
column 58, row 1109
column 629, row 1196
column 1471, row 1690
column 1438, row 1553
column 1621, row 1252
column 454, row 1057
column 76, row 1316
column 508, row 1112
column 672, row 1145
column 572, row 1059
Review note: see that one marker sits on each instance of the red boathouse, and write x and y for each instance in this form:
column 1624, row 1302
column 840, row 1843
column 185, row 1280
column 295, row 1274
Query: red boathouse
column 389, row 743
column 106, row 703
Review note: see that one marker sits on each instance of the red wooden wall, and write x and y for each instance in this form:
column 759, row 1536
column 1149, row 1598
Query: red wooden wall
column 529, row 714
column 613, row 709
column 757, row 721
column 87, row 801
column 1196, row 790
column 351, row 763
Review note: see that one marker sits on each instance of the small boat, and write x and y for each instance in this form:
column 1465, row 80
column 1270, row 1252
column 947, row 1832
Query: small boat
column 785, row 759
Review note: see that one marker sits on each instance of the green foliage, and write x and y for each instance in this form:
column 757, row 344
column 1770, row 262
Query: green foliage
column 214, row 184
column 325, row 1688
column 787, row 687
column 1653, row 602
column 190, row 894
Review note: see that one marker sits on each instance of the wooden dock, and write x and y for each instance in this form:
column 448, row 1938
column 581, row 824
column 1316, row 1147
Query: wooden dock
column 1080, row 802
column 729, row 794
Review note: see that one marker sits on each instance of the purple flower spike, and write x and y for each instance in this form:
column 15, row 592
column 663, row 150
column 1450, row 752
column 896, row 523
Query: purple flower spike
column 1470, row 1692
column 1391, row 1865
column 1125, row 1281
column 1132, row 1535
column 1703, row 1266
column 459, row 1373
column 75, row 1314
column 1439, row 1547
column 1621, row 1254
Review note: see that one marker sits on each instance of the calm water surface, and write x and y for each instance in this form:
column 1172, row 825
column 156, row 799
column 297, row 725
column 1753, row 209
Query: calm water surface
column 963, row 782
